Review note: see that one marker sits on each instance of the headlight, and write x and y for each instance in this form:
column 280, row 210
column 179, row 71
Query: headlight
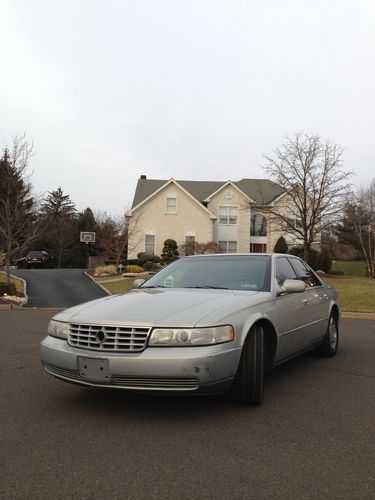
column 191, row 336
column 58, row 329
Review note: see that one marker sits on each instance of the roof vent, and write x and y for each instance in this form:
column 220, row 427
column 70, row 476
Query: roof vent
column 143, row 177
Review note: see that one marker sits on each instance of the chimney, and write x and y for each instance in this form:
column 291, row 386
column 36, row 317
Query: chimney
column 143, row 177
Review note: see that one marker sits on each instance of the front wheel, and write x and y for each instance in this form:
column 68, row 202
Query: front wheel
column 248, row 384
column 331, row 340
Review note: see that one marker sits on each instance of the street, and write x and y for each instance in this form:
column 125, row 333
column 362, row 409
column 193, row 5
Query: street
column 312, row 438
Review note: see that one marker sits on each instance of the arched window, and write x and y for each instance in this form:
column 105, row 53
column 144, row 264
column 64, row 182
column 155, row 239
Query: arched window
column 258, row 225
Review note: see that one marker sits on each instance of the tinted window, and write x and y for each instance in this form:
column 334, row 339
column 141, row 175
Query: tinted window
column 250, row 273
column 284, row 271
column 305, row 273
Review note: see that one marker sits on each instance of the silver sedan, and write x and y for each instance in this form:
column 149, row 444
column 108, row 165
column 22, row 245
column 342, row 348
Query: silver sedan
column 203, row 324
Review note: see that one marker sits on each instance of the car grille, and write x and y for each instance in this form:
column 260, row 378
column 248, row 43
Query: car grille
column 108, row 338
column 129, row 382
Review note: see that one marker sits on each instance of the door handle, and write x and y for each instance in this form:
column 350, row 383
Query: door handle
column 305, row 302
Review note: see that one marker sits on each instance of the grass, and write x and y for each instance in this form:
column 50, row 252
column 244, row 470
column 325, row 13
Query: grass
column 16, row 281
column 121, row 286
column 354, row 268
column 118, row 285
column 356, row 294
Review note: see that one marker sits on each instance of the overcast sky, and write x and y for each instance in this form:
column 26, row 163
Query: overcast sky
column 201, row 89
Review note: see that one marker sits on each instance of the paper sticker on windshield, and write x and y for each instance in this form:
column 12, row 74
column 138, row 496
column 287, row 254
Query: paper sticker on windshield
column 248, row 285
column 169, row 282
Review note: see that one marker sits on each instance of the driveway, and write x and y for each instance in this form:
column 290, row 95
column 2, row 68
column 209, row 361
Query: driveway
column 312, row 438
column 58, row 287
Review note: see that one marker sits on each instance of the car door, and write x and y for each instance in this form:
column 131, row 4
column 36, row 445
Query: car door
column 290, row 312
column 316, row 301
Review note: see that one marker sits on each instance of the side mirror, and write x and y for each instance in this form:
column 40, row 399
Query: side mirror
column 138, row 282
column 293, row 286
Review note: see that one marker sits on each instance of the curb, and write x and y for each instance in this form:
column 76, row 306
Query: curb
column 25, row 298
column 24, row 290
column 98, row 284
column 357, row 315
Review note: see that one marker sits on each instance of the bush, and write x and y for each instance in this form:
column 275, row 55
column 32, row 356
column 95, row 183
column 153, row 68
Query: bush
column 151, row 266
column 325, row 261
column 130, row 262
column 281, row 246
column 111, row 269
column 133, row 269
column 144, row 257
column 8, row 289
column 312, row 259
column 170, row 251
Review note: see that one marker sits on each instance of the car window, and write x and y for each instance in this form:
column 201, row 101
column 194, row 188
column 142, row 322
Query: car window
column 249, row 273
column 284, row 270
column 305, row 273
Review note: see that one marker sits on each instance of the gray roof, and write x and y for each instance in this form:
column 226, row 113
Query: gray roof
column 262, row 191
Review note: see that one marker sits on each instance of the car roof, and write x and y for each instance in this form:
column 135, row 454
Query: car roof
column 213, row 255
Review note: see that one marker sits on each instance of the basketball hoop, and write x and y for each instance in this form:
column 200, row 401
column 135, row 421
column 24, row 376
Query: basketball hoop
column 87, row 237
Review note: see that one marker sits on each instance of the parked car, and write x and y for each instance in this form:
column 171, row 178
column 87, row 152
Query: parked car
column 35, row 259
column 203, row 324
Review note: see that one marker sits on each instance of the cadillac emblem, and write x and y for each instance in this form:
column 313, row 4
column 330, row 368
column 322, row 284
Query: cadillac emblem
column 100, row 337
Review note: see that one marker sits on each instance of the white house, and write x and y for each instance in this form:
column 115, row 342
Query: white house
column 230, row 213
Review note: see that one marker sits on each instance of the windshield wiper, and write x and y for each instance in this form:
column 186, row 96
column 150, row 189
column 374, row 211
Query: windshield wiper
column 154, row 286
column 209, row 286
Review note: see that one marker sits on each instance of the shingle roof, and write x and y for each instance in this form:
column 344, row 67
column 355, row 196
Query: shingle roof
column 262, row 191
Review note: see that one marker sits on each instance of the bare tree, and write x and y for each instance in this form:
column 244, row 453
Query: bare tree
column 193, row 247
column 310, row 171
column 18, row 209
column 117, row 235
column 360, row 214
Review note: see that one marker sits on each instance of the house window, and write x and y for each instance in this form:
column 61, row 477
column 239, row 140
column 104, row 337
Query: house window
column 228, row 214
column 228, row 246
column 258, row 248
column 258, row 225
column 294, row 220
column 150, row 244
column 189, row 245
column 171, row 205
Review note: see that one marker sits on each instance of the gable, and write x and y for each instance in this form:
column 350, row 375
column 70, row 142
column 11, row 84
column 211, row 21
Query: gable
column 260, row 191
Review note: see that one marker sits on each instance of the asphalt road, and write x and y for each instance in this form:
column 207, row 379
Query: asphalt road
column 312, row 438
column 58, row 287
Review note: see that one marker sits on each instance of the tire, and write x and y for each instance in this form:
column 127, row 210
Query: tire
column 330, row 343
column 248, row 383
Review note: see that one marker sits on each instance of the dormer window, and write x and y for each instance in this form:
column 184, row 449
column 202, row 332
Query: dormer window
column 171, row 205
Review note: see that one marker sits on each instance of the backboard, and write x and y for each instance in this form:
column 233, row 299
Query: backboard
column 87, row 237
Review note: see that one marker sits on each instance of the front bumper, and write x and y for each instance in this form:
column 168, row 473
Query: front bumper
column 182, row 369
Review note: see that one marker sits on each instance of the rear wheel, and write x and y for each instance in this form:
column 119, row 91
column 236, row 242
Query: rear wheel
column 331, row 340
column 248, row 384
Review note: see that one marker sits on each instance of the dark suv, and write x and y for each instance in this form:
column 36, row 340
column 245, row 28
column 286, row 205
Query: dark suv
column 36, row 259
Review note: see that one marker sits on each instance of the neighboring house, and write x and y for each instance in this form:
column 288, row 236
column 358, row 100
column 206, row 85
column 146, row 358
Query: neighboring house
column 229, row 213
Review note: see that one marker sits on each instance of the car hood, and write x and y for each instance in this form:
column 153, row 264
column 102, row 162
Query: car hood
column 159, row 307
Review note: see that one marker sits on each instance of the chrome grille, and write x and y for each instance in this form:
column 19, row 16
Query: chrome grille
column 108, row 338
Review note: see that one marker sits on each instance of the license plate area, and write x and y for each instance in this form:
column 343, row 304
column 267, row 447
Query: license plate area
column 94, row 369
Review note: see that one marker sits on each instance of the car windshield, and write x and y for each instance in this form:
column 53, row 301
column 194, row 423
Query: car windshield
column 235, row 272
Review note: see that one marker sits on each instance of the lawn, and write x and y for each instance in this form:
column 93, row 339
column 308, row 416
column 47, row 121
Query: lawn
column 118, row 284
column 356, row 294
column 353, row 268
column 16, row 281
